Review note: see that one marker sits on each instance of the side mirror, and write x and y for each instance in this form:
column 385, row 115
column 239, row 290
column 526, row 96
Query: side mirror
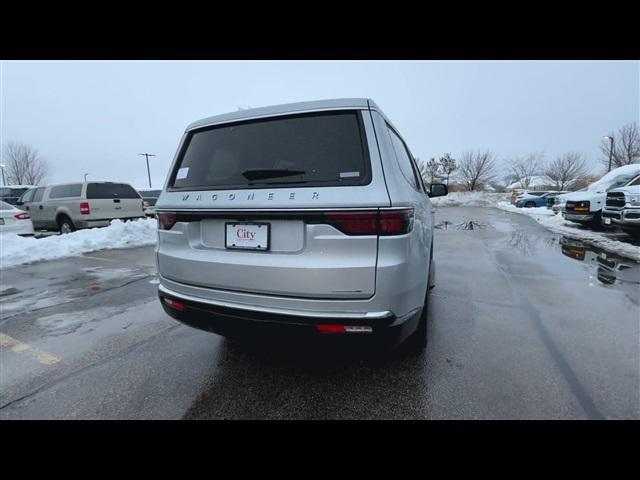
column 438, row 190
column 19, row 202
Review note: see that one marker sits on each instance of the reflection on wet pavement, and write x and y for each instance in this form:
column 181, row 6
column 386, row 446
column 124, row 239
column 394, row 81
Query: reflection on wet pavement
column 611, row 270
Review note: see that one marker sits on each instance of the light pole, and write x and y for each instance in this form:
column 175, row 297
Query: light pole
column 2, row 167
column 147, row 155
column 610, row 150
column 85, row 176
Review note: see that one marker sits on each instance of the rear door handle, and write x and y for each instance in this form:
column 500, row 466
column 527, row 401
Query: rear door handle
column 116, row 200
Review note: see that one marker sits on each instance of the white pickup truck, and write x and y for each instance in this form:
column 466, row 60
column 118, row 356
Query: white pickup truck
column 623, row 207
column 586, row 206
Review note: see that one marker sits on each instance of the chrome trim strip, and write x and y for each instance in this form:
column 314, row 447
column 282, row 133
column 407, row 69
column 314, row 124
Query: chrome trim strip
column 279, row 311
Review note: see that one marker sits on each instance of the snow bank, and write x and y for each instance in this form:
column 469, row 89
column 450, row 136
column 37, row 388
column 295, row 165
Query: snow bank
column 556, row 223
column 470, row 199
column 15, row 250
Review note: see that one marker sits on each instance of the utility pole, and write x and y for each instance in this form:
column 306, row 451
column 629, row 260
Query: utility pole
column 85, row 176
column 4, row 182
column 610, row 151
column 147, row 155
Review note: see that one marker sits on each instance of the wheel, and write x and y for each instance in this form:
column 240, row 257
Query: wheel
column 529, row 205
column 65, row 225
column 596, row 223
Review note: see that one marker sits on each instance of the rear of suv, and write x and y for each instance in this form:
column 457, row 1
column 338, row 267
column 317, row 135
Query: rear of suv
column 71, row 206
column 308, row 217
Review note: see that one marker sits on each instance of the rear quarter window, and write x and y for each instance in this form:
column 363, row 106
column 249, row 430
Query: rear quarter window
column 328, row 149
column 66, row 191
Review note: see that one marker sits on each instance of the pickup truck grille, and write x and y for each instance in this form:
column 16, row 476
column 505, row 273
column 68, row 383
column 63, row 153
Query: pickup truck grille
column 615, row 200
column 577, row 207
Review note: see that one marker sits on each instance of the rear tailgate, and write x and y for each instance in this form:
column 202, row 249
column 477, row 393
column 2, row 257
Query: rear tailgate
column 302, row 257
column 284, row 173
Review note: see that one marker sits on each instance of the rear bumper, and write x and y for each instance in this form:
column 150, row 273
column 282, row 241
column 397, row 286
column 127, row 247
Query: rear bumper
column 231, row 320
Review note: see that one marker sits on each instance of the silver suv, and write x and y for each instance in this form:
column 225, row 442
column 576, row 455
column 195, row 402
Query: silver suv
column 70, row 206
column 308, row 217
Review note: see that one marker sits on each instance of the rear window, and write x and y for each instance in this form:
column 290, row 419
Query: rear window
column 66, row 191
column 12, row 192
column 327, row 149
column 111, row 190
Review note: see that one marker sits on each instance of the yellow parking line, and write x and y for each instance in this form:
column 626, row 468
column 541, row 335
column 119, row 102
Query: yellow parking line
column 16, row 346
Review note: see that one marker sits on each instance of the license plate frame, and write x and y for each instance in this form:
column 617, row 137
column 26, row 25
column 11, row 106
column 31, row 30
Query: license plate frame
column 252, row 248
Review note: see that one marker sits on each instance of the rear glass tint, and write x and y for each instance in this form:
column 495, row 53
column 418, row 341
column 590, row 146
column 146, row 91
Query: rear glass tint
column 311, row 149
column 110, row 190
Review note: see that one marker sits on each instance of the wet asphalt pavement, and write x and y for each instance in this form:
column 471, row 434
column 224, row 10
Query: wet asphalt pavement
column 524, row 323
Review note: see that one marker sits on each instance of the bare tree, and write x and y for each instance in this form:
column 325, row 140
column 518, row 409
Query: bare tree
column 626, row 146
column 524, row 169
column 24, row 165
column 476, row 169
column 566, row 169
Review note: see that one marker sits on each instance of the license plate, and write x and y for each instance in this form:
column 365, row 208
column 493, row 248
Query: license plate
column 247, row 236
column 607, row 221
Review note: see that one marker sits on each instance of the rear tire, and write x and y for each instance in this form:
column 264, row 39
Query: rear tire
column 529, row 205
column 65, row 225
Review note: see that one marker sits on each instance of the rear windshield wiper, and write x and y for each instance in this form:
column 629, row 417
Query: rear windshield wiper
column 257, row 173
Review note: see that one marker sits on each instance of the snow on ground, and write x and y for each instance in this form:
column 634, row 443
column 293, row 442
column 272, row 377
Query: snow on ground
column 470, row 199
column 15, row 250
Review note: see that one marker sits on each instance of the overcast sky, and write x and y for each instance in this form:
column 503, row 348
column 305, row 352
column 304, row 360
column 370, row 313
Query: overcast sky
column 95, row 117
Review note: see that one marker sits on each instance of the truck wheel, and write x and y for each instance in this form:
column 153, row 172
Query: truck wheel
column 596, row 223
column 65, row 225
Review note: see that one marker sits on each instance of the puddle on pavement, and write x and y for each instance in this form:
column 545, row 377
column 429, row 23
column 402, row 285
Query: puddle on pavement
column 466, row 225
column 611, row 270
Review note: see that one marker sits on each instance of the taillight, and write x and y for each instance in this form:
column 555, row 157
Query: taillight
column 84, row 208
column 354, row 223
column 166, row 220
column 22, row 216
column 372, row 222
column 396, row 222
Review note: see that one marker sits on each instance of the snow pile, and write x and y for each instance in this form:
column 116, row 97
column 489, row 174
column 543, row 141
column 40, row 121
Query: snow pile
column 556, row 223
column 470, row 199
column 15, row 250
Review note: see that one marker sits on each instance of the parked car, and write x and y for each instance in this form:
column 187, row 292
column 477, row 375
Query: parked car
column 14, row 220
column 149, row 197
column 11, row 193
column 622, row 207
column 552, row 197
column 533, row 199
column 308, row 217
column 586, row 206
column 71, row 206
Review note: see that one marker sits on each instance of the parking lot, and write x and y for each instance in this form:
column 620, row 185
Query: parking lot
column 523, row 324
